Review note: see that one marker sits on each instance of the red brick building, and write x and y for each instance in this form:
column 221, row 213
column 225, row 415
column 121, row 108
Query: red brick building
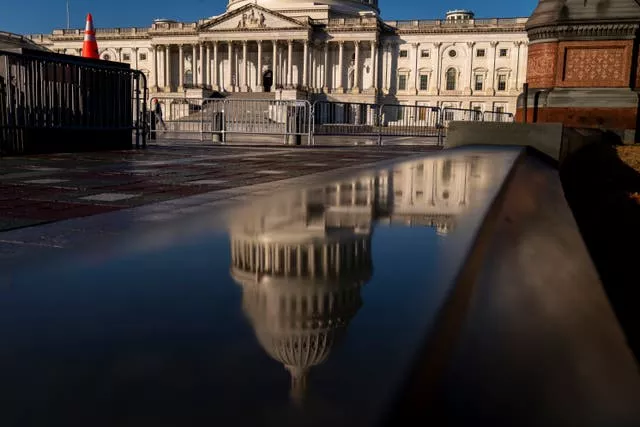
column 583, row 68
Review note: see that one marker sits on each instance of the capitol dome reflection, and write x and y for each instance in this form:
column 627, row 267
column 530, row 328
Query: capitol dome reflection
column 302, row 261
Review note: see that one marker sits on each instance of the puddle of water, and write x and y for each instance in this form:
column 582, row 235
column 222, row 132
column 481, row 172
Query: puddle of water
column 304, row 309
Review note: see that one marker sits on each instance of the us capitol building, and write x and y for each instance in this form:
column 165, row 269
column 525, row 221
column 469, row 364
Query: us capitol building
column 303, row 261
column 338, row 50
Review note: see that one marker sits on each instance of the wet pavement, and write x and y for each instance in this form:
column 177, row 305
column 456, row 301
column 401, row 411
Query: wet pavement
column 41, row 189
column 307, row 307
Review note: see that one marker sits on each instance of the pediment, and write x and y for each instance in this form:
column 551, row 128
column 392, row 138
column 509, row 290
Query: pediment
column 252, row 17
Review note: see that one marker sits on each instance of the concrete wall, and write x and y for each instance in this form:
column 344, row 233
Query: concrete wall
column 545, row 137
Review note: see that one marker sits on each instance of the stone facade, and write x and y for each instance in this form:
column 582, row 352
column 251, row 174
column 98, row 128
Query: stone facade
column 583, row 69
column 334, row 49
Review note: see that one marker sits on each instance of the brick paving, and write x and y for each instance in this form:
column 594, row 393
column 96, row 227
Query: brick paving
column 41, row 189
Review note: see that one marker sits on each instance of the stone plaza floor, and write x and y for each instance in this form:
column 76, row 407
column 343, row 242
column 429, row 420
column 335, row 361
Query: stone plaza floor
column 46, row 188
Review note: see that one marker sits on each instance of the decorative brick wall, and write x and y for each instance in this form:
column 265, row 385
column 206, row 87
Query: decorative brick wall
column 594, row 64
column 541, row 65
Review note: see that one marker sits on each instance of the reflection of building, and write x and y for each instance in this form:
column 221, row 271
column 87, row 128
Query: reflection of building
column 337, row 49
column 301, row 262
column 301, row 268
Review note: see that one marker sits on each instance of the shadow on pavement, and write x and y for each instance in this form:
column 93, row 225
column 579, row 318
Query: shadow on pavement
column 598, row 186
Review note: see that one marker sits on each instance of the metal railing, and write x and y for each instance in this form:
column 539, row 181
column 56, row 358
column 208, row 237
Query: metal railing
column 376, row 120
column 450, row 114
column 44, row 97
column 345, row 118
column 219, row 118
column 206, row 118
column 497, row 116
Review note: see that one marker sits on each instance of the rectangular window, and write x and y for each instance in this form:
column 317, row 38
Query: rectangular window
column 126, row 57
column 424, row 53
column 404, row 53
column 424, row 82
column 402, row 82
column 504, row 52
column 502, row 82
column 143, row 57
column 479, row 82
column 480, row 53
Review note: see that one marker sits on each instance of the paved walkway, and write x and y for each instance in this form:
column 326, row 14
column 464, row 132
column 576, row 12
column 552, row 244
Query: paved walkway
column 42, row 189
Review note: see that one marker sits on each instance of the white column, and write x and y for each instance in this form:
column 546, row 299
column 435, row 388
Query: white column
column 214, row 68
column 201, row 62
column 230, row 87
column 167, row 68
column 325, row 68
column 374, row 65
column 207, row 79
column 385, row 67
column 492, row 68
column 305, row 66
column 438, row 75
column 356, row 68
column 471, row 87
column 259, row 87
column 340, row 68
column 275, row 64
column 245, row 68
column 316, row 84
column 154, row 68
column 180, row 67
column 416, row 48
column 290, row 64
column 194, row 65
column 515, row 63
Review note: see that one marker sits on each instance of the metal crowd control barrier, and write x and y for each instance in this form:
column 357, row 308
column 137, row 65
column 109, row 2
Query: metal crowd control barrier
column 450, row 114
column 497, row 116
column 375, row 120
column 418, row 121
column 345, row 118
column 51, row 102
column 220, row 118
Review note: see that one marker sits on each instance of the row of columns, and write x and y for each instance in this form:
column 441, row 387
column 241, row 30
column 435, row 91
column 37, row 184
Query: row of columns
column 211, row 79
column 436, row 83
column 303, row 259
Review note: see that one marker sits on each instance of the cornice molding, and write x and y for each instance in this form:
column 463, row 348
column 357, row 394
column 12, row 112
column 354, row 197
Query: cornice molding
column 584, row 31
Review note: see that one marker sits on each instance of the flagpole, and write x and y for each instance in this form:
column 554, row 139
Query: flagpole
column 67, row 14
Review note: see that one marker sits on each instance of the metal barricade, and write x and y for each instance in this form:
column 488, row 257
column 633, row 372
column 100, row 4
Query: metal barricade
column 291, row 119
column 375, row 120
column 219, row 118
column 498, row 116
column 450, row 114
column 52, row 102
column 182, row 117
column 345, row 118
column 417, row 121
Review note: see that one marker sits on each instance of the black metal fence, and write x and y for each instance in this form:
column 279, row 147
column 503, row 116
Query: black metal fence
column 376, row 120
column 51, row 102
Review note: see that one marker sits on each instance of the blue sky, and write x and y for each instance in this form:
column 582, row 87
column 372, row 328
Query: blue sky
column 42, row 16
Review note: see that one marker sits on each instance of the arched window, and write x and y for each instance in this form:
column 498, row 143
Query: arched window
column 451, row 79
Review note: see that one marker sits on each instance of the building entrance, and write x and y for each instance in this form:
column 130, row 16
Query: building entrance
column 267, row 80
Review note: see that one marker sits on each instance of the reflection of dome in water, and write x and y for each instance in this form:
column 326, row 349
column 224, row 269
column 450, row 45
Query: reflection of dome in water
column 300, row 293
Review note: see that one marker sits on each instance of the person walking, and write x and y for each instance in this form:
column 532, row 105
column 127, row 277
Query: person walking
column 157, row 110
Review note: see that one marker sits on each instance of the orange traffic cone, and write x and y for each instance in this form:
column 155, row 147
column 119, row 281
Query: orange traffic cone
column 89, row 45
